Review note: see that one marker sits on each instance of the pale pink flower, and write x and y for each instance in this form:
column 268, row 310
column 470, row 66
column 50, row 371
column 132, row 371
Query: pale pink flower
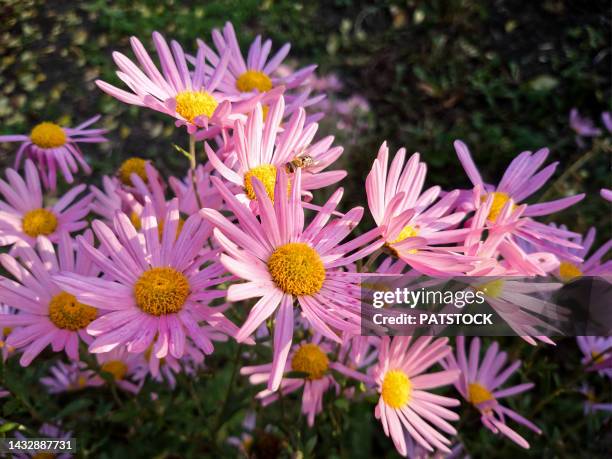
column 283, row 261
column 24, row 216
column 479, row 384
column 128, row 370
column 47, row 313
column 53, row 147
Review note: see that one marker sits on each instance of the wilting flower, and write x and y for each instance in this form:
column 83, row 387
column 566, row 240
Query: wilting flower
column 283, row 261
column 23, row 216
column 190, row 97
column 312, row 358
column 411, row 224
column 47, row 313
column 405, row 407
column 67, row 377
column 260, row 151
column 520, row 181
column 596, row 350
column 53, row 147
column 151, row 285
column 480, row 383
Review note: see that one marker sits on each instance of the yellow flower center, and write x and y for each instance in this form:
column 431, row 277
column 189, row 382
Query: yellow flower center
column 405, row 233
column 39, row 222
column 132, row 166
column 492, row 289
column 135, row 219
column 191, row 104
column 116, row 368
column 67, row 313
column 266, row 174
column 310, row 359
column 478, row 394
column 396, row 389
column 48, row 135
column 598, row 357
column 569, row 271
column 499, row 201
column 6, row 331
column 161, row 291
column 253, row 79
column 297, row 269
column 44, row 455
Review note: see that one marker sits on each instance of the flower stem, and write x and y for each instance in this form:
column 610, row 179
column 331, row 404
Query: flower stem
column 192, row 152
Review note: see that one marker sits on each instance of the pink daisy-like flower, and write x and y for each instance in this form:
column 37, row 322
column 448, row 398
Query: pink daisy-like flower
column 67, row 377
column 190, row 97
column 312, row 358
column 283, row 262
column 154, row 286
column 583, row 127
column 128, row 370
column 261, row 150
column 46, row 431
column 412, row 225
column 480, row 383
column 47, row 313
column 24, row 217
column 405, row 406
column 195, row 191
column 520, row 181
column 53, row 147
column 597, row 350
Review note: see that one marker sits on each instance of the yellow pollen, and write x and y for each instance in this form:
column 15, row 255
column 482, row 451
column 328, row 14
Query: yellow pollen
column 253, row 79
column 161, row 291
column 310, row 359
column 478, row 394
column 598, row 357
column 492, row 289
column 39, row 222
column 396, row 389
column 81, row 382
column 6, row 331
column 297, row 269
column 48, row 135
column 499, row 201
column 135, row 219
column 191, row 104
column 266, row 174
column 405, row 233
column 569, row 271
column 115, row 367
column 67, row 313
column 132, row 166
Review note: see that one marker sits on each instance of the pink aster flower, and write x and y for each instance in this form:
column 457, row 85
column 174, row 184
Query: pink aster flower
column 128, row 370
column 520, row 181
column 312, row 358
column 46, row 431
column 582, row 126
column 154, row 287
column 53, row 147
column 47, row 313
column 195, row 191
column 480, row 384
column 190, row 97
column 283, row 261
column 592, row 265
column 596, row 350
column 24, row 217
column 412, row 225
column 261, row 150
column 67, row 377
column 405, row 406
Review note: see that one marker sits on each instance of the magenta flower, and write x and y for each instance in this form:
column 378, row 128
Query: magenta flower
column 520, row 181
column 190, row 97
column 262, row 149
column 480, row 383
column 606, row 194
column 405, row 406
column 582, row 126
column 23, row 216
column 283, row 262
column 153, row 286
column 53, row 147
column 47, row 313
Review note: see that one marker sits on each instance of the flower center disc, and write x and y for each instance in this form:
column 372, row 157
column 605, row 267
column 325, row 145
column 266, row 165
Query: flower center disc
column 396, row 389
column 161, row 291
column 297, row 269
column 39, row 222
column 569, row 271
column 132, row 166
column 478, row 394
column 310, row 359
column 253, row 79
column 499, row 201
column 266, row 174
column 492, row 289
column 115, row 367
column 67, row 313
column 191, row 104
column 48, row 135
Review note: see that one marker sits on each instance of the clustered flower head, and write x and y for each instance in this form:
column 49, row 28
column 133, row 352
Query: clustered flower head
column 144, row 270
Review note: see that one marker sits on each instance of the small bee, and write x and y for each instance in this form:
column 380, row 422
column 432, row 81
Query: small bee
column 300, row 162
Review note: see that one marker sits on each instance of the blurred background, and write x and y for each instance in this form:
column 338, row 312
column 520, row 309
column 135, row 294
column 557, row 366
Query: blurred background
column 500, row 75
